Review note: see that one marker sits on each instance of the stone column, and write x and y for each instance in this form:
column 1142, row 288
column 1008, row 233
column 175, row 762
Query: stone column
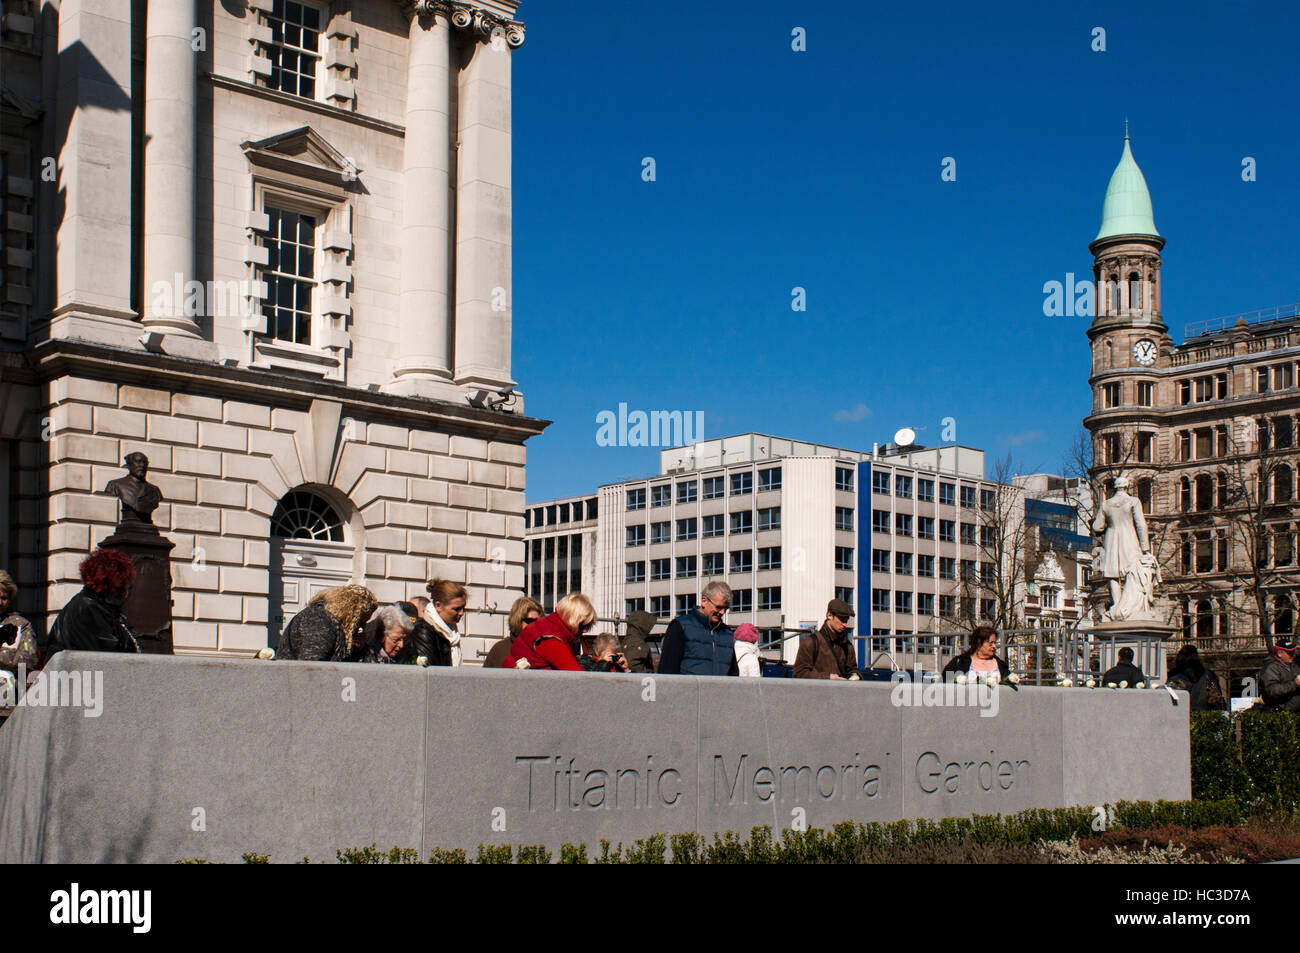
column 171, row 89
column 93, row 265
column 484, row 299
column 424, row 362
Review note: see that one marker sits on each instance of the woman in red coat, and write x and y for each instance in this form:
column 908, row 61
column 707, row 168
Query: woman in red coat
column 552, row 642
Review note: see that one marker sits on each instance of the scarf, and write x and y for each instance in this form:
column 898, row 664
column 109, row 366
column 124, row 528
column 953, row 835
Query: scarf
column 451, row 635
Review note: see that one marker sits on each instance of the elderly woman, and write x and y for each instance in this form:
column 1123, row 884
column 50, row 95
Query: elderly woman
column 443, row 613
column 553, row 642
column 388, row 634
column 524, row 612
column 980, row 661
column 331, row 628
column 92, row 621
column 17, row 637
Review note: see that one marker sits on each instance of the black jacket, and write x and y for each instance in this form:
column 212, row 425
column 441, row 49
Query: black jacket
column 91, row 623
column 636, row 645
column 426, row 640
column 1195, row 679
column 1124, row 672
column 961, row 666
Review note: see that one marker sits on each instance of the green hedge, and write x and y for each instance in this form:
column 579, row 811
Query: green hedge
column 1253, row 758
column 842, row 844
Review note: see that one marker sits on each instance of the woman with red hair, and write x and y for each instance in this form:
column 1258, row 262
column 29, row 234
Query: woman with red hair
column 92, row 621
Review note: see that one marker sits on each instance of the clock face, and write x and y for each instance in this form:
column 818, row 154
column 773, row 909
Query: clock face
column 1145, row 352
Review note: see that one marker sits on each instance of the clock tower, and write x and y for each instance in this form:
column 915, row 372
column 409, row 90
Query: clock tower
column 1130, row 343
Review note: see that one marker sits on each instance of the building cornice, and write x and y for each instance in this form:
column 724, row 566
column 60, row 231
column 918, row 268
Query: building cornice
column 308, row 105
column 62, row 357
column 471, row 19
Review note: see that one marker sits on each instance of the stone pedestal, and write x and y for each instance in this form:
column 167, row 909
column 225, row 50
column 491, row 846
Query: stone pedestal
column 1146, row 637
column 148, row 609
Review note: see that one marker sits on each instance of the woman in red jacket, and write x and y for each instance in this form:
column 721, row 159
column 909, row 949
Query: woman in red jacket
column 552, row 642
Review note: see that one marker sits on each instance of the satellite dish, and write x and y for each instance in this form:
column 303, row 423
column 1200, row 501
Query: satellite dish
column 905, row 437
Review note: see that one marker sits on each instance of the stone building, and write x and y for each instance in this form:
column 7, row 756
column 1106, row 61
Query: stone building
column 268, row 244
column 1196, row 425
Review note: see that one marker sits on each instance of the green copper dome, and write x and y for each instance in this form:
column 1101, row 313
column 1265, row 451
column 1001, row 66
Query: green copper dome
column 1127, row 210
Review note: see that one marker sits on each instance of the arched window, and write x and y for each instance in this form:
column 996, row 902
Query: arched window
column 1185, row 495
column 1283, row 485
column 1134, row 291
column 1144, row 494
column 304, row 515
column 1204, row 621
column 1204, row 492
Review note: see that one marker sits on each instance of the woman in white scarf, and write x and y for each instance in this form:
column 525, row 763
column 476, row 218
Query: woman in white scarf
column 444, row 612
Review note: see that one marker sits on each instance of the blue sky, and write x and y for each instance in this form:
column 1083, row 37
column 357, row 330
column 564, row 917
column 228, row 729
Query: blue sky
column 821, row 169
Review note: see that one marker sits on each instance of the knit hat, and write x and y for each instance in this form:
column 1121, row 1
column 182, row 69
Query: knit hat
column 1285, row 643
column 746, row 633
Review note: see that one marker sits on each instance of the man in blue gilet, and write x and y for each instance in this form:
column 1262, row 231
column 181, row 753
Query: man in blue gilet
column 699, row 642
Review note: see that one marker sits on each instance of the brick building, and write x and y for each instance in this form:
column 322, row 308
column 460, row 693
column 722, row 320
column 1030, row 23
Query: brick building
column 1207, row 431
column 268, row 244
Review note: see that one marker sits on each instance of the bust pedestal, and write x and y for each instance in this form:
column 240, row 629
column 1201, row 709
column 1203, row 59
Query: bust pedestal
column 148, row 609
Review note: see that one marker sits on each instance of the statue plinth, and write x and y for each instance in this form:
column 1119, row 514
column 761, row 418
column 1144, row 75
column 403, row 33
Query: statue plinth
column 148, row 607
column 1146, row 637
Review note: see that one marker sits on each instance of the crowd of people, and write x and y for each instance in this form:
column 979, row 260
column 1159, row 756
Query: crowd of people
column 349, row 624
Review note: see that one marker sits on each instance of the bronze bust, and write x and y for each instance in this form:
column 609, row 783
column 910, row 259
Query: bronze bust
column 139, row 498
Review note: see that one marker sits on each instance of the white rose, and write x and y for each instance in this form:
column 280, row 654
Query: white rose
column 1123, row 684
column 1066, row 683
column 1111, row 685
column 266, row 654
column 1013, row 678
column 522, row 664
column 961, row 679
column 1091, row 683
column 422, row 660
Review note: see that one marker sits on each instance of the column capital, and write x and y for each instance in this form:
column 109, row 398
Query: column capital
column 474, row 20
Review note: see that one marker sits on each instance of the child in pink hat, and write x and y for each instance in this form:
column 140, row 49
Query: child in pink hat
column 747, row 651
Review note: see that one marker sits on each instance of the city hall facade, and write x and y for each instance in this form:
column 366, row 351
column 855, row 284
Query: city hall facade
column 267, row 244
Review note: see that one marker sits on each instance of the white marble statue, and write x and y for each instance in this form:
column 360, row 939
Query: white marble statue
column 1126, row 561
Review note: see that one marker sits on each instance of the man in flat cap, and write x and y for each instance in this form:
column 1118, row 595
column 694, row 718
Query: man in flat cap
column 828, row 653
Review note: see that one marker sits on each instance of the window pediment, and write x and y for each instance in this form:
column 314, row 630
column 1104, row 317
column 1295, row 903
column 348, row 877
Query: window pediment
column 302, row 154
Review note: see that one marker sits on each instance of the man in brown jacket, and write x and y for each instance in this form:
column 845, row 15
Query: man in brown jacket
column 828, row 653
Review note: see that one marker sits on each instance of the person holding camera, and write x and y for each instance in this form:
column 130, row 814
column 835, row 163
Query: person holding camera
column 17, row 637
column 605, row 655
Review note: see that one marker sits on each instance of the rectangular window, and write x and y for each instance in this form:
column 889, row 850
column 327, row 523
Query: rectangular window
column 988, row 499
column 1221, row 384
column 660, row 569
column 925, row 566
column 880, row 521
column 769, row 598
column 1204, row 552
column 844, row 518
column 636, row 499
column 903, row 524
column 947, row 606
column 843, row 557
column 1146, row 443
column 688, row 492
column 968, row 497
column 636, row 535
column 880, row 560
column 880, row 482
column 715, row 525
column 1204, row 443
column 742, row 560
column 1110, row 448
column 661, row 606
column 925, row 527
column 903, row 564
column 742, row 600
column 968, row 534
column 947, row 567
column 903, row 602
column 925, row 603
column 1110, row 395
column 903, row 487
column 742, row 522
column 685, row 602
column 661, row 495
column 714, row 487
column 1261, row 380
column 769, row 557
column 742, row 483
column 635, row 572
column 925, row 491
column 661, row 532
column 844, row 479
column 564, row 512
column 987, row 610
column 769, row 479
column 968, row 569
column 1221, row 441
column 879, row 600
column 845, row 595
column 1184, row 445
column 1184, row 392
column 633, row 605
column 290, row 275
column 685, row 567
column 713, row 564
column 947, row 494
column 1146, row 394
column 987, row 537
column 686, row 529
column 295, row 47
column 947, row 531
column 769, row 518
column 986, row 573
